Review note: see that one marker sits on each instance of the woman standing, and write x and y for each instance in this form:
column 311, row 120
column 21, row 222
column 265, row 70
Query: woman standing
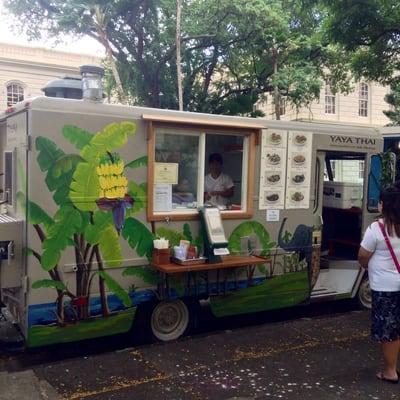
column 380, row 253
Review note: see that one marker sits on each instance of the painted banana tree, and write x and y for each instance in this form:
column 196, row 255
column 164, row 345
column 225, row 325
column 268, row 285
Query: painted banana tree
column 251, row 229
column 96, row 204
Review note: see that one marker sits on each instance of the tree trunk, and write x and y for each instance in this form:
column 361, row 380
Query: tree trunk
column 277, row 97
column 178, row 53
column 102, row 287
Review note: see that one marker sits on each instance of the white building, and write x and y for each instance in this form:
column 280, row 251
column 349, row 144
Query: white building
column 25, row 70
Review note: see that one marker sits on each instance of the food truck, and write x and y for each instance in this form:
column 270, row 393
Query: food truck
column 90, row 188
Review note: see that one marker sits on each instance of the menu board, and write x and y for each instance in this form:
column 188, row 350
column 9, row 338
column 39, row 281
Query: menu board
column 298, row 170
column 273, row 169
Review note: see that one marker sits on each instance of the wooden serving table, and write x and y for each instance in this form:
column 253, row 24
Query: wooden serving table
column 228, row 263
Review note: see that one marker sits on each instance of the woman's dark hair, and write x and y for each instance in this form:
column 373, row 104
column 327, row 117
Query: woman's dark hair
column 390, row 198
column 215, row 157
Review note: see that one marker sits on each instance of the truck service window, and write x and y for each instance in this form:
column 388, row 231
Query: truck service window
column 191, row 167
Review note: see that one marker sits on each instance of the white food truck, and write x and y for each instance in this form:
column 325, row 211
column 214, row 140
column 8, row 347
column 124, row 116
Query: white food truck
column 88, row 187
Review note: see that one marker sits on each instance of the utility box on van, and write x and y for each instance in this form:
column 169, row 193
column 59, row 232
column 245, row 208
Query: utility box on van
column 342, row 194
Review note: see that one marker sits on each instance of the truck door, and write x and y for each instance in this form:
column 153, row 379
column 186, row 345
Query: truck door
column 12, row 215
column 381, row 171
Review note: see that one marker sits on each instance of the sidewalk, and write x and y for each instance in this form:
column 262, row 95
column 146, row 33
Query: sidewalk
column 25, row 385
column 326, row 358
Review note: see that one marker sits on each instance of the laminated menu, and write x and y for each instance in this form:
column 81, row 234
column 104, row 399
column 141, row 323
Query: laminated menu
column 273, row 169
column 298, row 176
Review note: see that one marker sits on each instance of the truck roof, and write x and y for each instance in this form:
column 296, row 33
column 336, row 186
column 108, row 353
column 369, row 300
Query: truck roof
column 53, row 104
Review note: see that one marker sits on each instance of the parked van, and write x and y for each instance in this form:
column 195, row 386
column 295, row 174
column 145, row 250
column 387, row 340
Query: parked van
column 88, row 187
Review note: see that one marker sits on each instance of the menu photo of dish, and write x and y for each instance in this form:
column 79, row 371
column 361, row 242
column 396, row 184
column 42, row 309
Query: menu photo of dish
column 298, row 159
column 273, row 178
column 298, row 178
column 299, row 139
column 299, row 197
column 274, row 157
column 273, row 198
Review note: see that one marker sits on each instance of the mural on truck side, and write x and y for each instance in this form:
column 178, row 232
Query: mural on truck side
column 96, row 208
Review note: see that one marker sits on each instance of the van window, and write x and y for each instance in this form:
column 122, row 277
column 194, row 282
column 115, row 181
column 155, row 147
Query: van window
column 8, row 177
column 202, row 166
column 374, row 179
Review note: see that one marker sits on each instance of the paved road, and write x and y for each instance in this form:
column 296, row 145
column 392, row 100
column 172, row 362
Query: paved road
column 328, row 356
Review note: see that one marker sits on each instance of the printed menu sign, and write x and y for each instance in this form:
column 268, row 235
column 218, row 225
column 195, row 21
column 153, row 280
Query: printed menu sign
column 298, row 170
column 273, row 169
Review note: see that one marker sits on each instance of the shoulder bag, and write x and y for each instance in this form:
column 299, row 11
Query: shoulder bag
column 389, row 245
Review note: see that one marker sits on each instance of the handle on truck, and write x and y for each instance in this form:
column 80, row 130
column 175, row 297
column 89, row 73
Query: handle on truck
column 10, row 251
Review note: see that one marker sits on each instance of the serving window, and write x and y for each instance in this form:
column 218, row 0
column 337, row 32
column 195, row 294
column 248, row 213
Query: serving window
column 193, row 166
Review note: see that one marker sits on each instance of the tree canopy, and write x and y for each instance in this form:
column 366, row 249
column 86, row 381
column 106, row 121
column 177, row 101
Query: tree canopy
column 370, row 31
column 233, row 52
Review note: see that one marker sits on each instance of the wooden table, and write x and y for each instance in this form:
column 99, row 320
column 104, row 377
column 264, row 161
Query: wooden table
column 228, row 262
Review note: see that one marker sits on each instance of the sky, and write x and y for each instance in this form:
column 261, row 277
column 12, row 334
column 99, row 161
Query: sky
column 84, row 45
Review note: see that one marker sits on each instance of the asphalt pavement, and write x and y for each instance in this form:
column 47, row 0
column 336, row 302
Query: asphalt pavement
column 328, row 356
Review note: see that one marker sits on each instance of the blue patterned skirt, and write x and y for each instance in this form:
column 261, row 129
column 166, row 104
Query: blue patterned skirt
column 385, row 319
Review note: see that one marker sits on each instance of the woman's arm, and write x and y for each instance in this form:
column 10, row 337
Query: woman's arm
column 364, row 256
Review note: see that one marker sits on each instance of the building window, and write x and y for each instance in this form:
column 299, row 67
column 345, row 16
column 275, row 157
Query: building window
column 363, row 100
column 330, row 100
column 15, row 94
column 361, row 169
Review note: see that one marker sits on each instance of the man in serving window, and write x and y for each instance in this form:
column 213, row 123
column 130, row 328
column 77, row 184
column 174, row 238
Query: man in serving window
column 218, row 187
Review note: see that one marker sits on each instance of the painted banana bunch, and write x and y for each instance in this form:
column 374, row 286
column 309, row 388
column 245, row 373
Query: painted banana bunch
column 113, row 194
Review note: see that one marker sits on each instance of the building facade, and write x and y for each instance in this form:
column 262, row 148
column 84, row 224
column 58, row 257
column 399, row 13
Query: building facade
column 364, row 105
column 25, row 70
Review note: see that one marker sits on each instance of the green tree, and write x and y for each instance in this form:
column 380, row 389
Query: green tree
column 393, row 99
column 232, row 52
column 370, row 31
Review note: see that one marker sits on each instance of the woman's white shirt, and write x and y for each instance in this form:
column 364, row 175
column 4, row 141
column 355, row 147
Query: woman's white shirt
column 382, row 272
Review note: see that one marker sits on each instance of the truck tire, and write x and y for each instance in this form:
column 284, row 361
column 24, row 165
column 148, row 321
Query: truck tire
column 170, row 319
column 364, row 294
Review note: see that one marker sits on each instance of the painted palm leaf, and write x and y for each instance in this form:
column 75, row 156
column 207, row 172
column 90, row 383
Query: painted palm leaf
column 116, row 288
column 67, row 221
column 77, row 136
column 138, row 237
column 113, row 136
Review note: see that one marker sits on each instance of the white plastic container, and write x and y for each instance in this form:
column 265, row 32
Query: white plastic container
column 343, row 194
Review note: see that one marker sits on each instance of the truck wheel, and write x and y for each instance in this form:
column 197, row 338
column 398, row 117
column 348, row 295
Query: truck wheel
column 169, row 320
column 364, row 294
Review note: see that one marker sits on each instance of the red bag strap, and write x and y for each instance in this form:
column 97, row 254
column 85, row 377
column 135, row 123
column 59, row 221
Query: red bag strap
column 389, row 245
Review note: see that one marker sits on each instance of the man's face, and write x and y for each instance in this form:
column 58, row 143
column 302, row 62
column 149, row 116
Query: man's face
column 215, row 167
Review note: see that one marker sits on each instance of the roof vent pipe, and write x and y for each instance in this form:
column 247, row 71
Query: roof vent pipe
column 92, row 86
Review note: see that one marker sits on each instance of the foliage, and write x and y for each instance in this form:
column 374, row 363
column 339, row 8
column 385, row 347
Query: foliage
column 369, row 31
column 58, row 173
column 67, row 221
column 388, row 168
column 393, row 99
column 247, row 229
column 146, row 274
column 116, row 288
column 81, row 223
column 139, row 162
column 229, row 48
column 138, row 237
column 49, row 283
column 77, row 136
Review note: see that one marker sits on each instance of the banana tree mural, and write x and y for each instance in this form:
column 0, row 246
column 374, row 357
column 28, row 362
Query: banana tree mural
column 96, row 206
